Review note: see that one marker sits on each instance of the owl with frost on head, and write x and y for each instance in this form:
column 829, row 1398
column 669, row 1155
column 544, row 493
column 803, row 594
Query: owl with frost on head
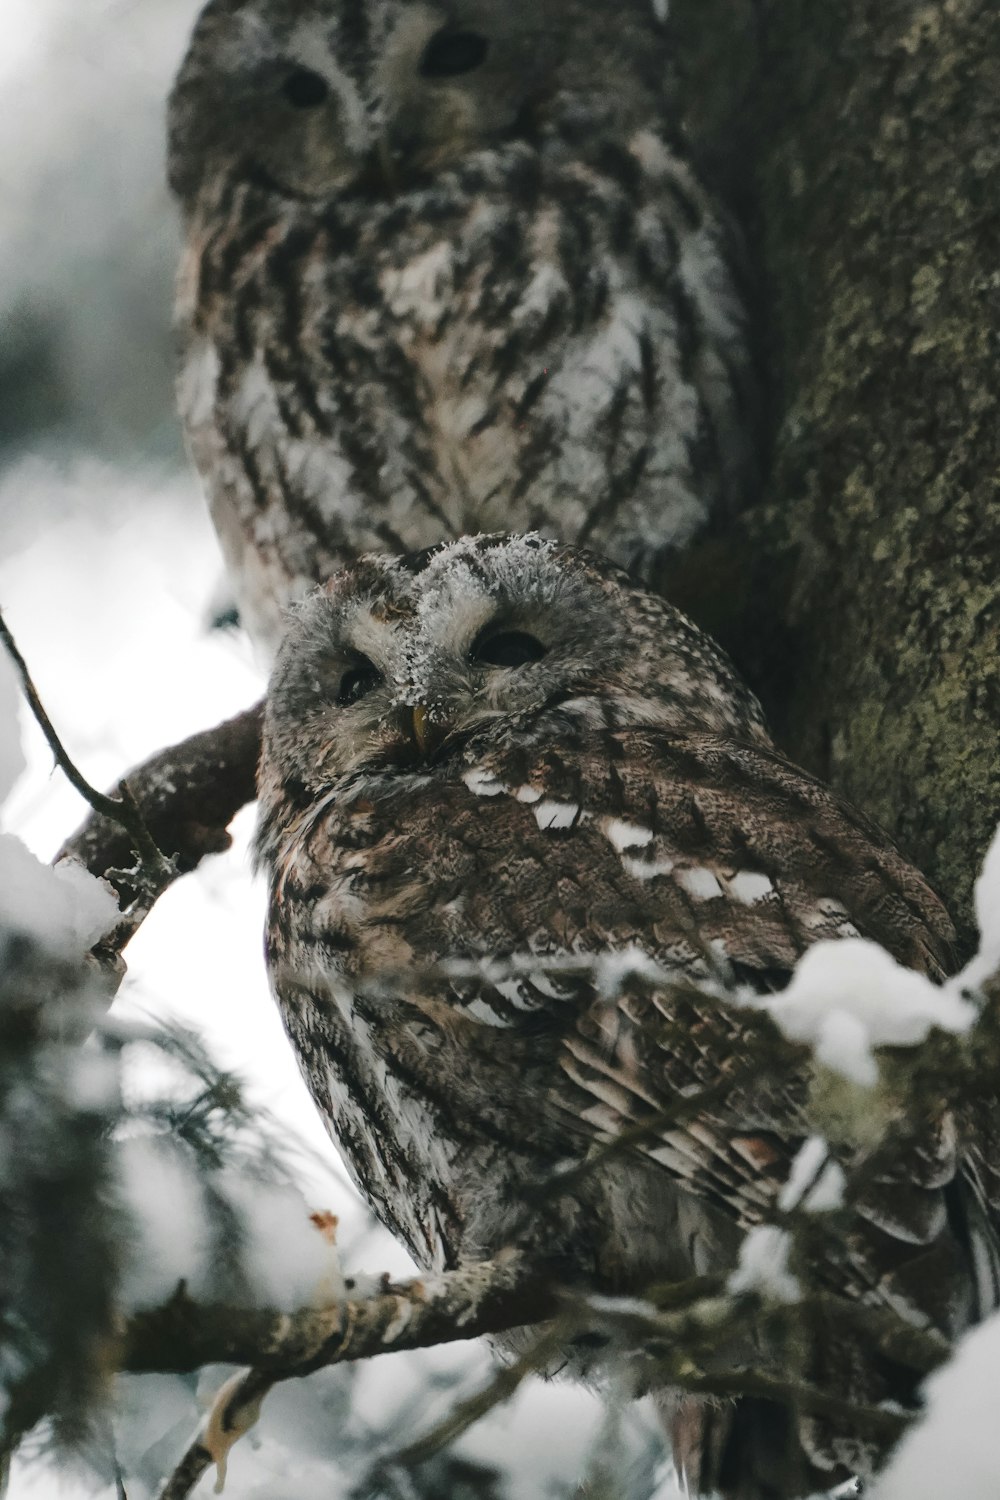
column 493, row 769
column 449, row 267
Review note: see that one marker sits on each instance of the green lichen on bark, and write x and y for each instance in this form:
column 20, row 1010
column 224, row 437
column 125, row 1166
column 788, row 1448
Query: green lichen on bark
column 874, row 204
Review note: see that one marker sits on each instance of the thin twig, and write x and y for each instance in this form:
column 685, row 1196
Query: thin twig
column 500, row 1388
column 126, row 812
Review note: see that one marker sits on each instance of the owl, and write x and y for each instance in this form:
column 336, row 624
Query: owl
column 449, row 269
column 485, row 763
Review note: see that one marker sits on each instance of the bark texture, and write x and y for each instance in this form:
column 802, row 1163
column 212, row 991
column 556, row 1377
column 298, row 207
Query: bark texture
column 866, row 141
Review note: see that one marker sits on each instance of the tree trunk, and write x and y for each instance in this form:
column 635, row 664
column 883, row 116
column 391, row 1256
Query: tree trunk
column 864, row 138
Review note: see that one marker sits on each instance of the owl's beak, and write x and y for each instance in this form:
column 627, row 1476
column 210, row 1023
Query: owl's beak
column 427, row 734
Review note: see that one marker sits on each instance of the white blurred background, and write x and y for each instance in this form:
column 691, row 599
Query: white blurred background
column 108, row 572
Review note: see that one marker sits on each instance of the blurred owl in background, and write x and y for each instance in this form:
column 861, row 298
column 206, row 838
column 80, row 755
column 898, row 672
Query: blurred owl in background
column 484, row 763
column 448, row 269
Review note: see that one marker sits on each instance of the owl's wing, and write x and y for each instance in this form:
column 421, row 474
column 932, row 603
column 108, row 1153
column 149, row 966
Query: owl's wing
column 721, row 858
column 709, row 856
column 712, row 858
column 716, row 848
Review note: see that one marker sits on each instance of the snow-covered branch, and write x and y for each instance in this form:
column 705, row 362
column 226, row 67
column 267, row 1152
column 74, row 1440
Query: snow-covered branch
column 187, row 796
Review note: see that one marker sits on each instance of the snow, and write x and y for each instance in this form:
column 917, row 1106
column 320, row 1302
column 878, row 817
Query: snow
column 169, row 1242
column 986, row 896
column 955, row 1450
column 763, row 1266
column 848, row 996
column 814, row 1183
column 987, row 903
column 64, row 909
column 292, row 1262
column 613, row 969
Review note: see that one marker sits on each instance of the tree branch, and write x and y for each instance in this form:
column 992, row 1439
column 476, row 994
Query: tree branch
column 123, row 811
column 672, row 1335
column 480, row 1298
column 486, row 1297
column 186, row 796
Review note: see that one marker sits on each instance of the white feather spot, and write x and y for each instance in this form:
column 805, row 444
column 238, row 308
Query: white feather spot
column 551, row 814
column 483, row 783
column 749, row 886
column 626, row 835
column 480, row 1011
column 527, row 794
column 511, row 990
column 700, row 884
column 544, row 985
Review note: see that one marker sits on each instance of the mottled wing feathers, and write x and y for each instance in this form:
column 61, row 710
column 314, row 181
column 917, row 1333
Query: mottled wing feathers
column 726, row 845
column 716, row 860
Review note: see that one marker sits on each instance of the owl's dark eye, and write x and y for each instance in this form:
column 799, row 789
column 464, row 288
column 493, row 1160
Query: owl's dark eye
column 449, row 53
column 358, row 682
column 511, row 648
column 305, row 89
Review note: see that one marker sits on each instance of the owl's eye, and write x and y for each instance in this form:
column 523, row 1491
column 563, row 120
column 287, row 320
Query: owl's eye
column 449, row 53
column 305, row 89
column 358, row 682
column 510, row 648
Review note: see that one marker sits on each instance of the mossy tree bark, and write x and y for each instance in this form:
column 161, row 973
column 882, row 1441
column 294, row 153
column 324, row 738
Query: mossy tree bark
column 865, row 136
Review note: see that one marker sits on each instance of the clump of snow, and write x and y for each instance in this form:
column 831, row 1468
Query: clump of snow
column 94, row 904
column 93, row 1081
column 955, row 1450
column 65, row 909
column 987, row 901
column 763, row 1266
column 815, row 1183
column 291, row 1259
column 169, row 1230
column 613, row 968
column 849, row 995
column 986, row 895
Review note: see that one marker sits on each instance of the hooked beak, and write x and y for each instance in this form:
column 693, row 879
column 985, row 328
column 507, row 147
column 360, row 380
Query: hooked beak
column 417, row 737
column 427, row 734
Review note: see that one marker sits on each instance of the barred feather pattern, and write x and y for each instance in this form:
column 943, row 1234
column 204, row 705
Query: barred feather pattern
column 432, row 907
column 544, row 331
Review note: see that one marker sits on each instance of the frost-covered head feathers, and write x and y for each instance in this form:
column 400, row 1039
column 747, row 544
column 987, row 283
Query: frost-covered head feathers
column 398, row 662
column 312, row 97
